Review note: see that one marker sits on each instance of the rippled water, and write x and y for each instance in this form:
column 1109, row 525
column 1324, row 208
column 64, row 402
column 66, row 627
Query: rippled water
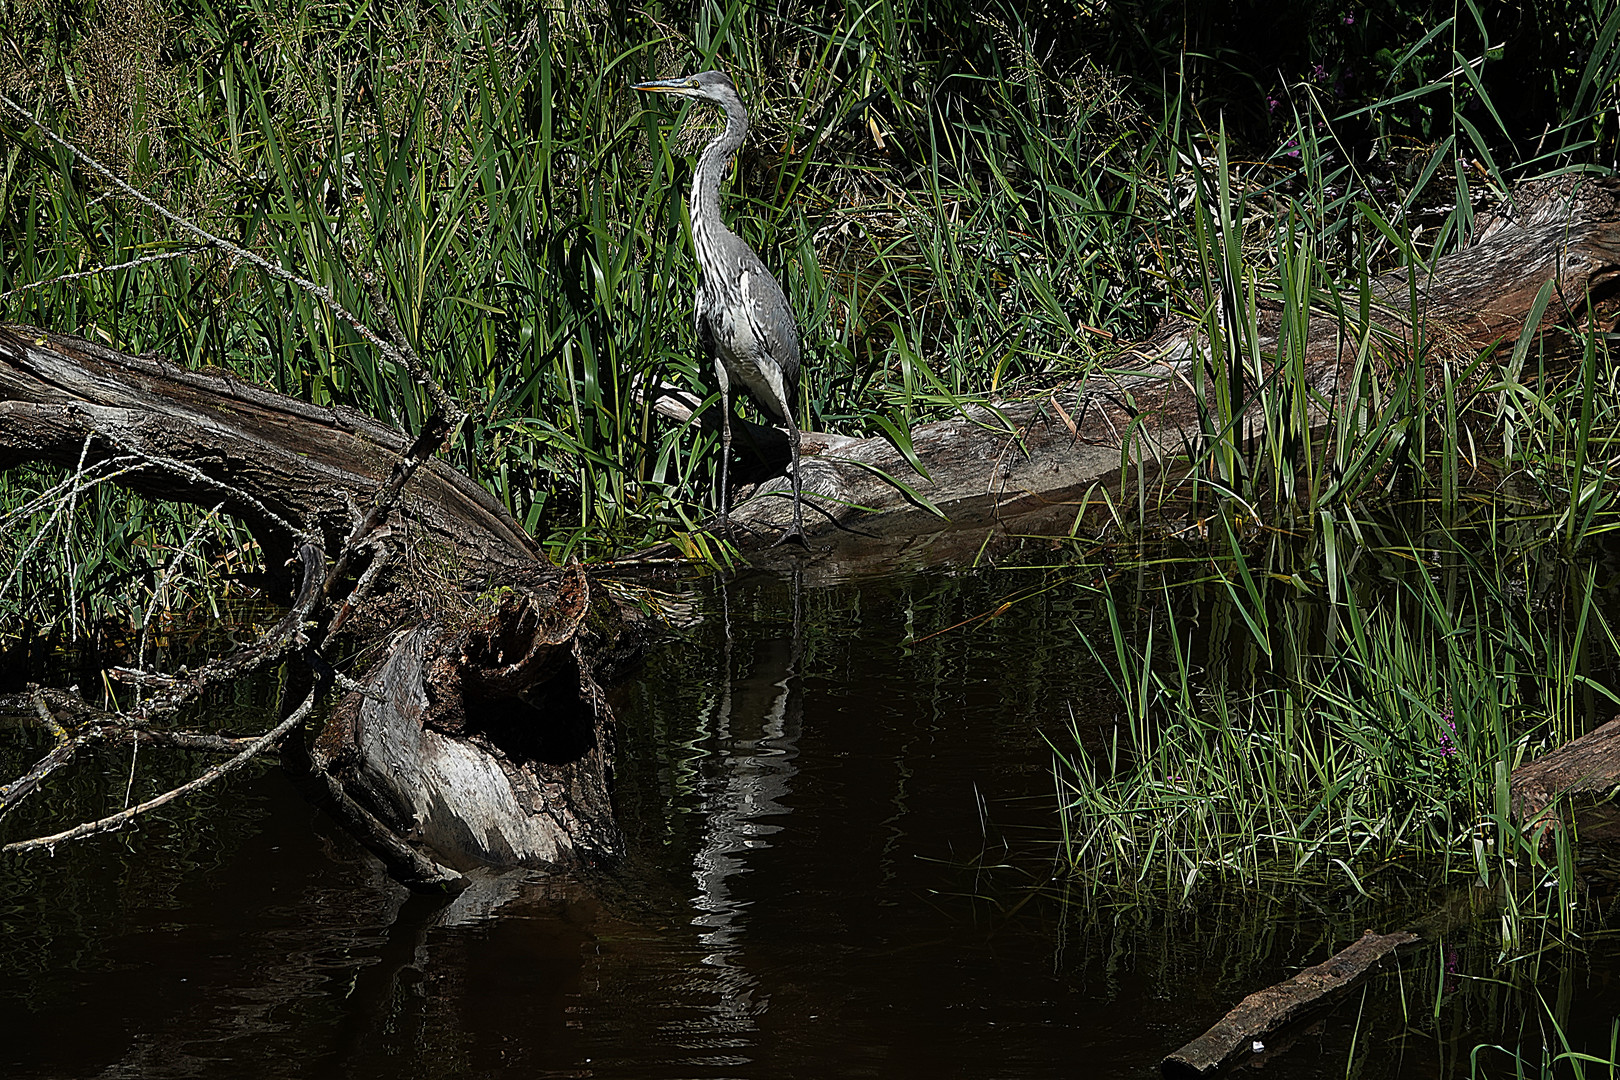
column 837, row 800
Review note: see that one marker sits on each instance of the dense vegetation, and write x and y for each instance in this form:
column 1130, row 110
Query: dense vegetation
column 962, row 201
column 957, row 199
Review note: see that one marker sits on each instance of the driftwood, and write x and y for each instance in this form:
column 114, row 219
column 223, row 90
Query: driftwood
column 479, row 734
column 1027, row 467
column 1268, row 1010
column 1579, row 777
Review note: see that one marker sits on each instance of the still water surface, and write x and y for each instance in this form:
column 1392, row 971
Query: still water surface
column 837, row 801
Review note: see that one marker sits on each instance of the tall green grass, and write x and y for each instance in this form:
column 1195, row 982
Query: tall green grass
column 959, row 207
column 940, row 230
column 526, row 216
column 1268, row 728
column 1301, row 721
column 90, row 564
column 1352, row 690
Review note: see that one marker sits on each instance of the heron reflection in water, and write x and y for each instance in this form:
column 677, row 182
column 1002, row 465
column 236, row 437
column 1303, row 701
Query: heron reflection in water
column 752, row 727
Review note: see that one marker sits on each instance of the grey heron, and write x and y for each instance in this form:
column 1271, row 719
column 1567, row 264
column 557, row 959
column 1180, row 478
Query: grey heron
column 744, row 323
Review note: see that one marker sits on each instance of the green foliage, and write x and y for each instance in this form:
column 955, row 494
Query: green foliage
column 961, row 201
column 1310, row 735
column 86, row 561
column 524, row 215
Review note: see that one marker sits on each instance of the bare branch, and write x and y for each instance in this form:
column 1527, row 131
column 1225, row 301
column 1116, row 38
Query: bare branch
column 275, row 645
column 95, row 724
column 93, row 475
column 443, row 403
column 407, row 864
column 130, row 265
column 92, row 725
column 163, row 582
column 123, row 817
column 66, row 746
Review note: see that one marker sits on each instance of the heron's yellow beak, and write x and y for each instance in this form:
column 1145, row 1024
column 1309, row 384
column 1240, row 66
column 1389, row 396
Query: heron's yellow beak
column 681, row 84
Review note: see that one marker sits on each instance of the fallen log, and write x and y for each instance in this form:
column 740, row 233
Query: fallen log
column 1575, row 782
column 1030, row 467
column 476, row 731
column 1242, row 1031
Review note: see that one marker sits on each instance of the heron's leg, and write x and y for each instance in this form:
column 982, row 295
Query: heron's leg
column 797, row 531
column 725, row 458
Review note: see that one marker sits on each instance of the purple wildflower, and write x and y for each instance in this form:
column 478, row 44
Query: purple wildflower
column 1349, row 18
column 1448, row 745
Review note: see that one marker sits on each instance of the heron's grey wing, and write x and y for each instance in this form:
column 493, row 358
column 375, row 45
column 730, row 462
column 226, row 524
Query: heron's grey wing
column 772, row 321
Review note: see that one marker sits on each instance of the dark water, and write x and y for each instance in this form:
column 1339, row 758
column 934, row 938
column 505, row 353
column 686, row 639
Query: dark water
column 838, row 800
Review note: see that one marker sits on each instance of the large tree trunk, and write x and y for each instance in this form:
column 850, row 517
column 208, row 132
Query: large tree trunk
column 480, row 734
column 1026, row 467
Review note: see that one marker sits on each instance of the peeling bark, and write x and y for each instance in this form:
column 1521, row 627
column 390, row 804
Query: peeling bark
column 481, row 735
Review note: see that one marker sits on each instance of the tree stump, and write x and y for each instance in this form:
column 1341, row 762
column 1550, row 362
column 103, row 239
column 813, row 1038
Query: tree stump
column 480, row 733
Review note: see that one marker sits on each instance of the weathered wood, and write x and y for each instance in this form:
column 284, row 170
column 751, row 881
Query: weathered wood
column 206, row 437
column 1027, row 467
column 1588, row 765
column 481, row 735
column 1583, row 774
column 454, row 712
column 1265, row 1011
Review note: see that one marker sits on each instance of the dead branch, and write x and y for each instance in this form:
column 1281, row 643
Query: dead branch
column 526, row 781
column 277, row 644
column 123, row 817
column 1034, row 467
column 66, row 746
column 1244, row 1029
column 218, row 242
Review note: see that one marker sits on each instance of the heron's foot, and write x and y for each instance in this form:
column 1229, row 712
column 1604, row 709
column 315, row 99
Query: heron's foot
column 794, row 535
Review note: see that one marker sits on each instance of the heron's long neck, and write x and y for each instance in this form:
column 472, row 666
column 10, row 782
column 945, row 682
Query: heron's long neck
column 707, row 225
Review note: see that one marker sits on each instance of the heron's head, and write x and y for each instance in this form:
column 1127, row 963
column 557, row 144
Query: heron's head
column 712, row 86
